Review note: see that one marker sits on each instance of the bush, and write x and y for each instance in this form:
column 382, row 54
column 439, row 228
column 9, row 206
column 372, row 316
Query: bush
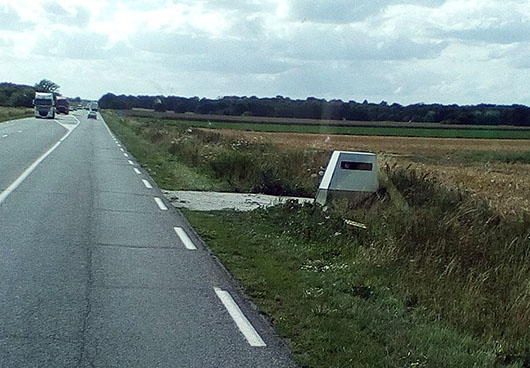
column 240, row 169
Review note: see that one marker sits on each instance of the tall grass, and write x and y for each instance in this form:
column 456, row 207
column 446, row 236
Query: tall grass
column 479, row 260
column 457, row 257
column 11, row 113
column 244, row 166
column 451, row 256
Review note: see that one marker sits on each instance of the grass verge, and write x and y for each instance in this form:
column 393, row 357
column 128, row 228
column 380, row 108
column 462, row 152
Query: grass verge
column 164, row 167
column 12, row 113
column 211, row 162
column 442, row 285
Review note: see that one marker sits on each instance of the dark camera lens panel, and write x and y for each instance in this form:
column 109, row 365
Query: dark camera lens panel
column 350, row 165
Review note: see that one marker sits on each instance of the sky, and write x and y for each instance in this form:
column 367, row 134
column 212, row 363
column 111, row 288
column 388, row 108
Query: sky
column 404, row 51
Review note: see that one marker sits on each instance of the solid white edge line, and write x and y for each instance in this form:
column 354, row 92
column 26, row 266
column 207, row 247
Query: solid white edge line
column 160, row 204
column 126, row 155
column 137, row 171
column 253, row 338
column 32, row 167
column 147, row 184
column 130, row 162
column 184, row 238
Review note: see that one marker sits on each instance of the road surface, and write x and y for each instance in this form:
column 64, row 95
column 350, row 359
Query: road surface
column 97, row 269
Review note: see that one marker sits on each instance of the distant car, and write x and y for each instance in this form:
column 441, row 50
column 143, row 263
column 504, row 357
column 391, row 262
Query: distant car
column 92, row 115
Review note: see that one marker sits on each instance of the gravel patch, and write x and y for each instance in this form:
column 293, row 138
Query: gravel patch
column 215, row 201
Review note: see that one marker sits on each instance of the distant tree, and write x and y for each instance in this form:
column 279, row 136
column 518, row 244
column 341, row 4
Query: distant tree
column 46, row 85
column 313, row 108
column 159, row 106
column 22, row 98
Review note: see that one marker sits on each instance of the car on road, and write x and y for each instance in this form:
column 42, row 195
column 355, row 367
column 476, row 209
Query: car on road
column 92, row 115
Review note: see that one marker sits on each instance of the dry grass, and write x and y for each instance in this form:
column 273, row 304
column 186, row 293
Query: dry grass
column 506, row 186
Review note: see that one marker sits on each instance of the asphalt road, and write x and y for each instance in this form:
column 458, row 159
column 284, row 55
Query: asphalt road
column 93, row 272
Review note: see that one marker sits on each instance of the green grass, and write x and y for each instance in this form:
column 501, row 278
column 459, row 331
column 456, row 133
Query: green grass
column 443, row 284
column 381, row 131
column 165, row 169
column 206, row 160
column 12, row 113
column 335, row 308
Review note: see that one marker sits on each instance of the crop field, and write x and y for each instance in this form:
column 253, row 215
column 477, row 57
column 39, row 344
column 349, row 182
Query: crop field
column 337, row 127
column 497, row 169
column 377, row 131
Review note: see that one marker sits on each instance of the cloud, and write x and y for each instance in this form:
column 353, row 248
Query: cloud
column 209, row 54
column 11, row 21
column 342, row 11
column 352, row 43
column 73, row 15
column 81, row 45
column 396, row 50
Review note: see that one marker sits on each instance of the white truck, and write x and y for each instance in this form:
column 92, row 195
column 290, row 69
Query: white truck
column 44, row 105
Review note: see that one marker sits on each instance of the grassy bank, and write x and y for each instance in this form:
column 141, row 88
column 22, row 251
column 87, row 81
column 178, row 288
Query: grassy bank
column 11, row 113
column 444, row 284
column 182, row 157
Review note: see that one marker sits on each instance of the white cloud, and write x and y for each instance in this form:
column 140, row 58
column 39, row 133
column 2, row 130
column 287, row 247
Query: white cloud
column 463, row 51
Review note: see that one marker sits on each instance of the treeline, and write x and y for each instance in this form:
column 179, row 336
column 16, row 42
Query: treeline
column 16, row 95
column 313, row 108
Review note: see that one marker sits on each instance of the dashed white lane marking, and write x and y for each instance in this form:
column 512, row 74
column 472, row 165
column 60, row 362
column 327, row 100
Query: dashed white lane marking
column 4, row 135
column 253, row 338
column 119, row 145
column 20, row 131
column 126, row 155
column 121, row 149
column 147, row 184
column 160, row 204
column 29, row 170
column 184, row 238
column 137, row 171
column 130, row 162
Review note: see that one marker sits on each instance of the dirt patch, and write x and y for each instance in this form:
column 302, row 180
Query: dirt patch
column 216, row 201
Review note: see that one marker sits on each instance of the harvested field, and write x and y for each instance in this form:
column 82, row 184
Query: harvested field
column 389, row 145
column 505, row 185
